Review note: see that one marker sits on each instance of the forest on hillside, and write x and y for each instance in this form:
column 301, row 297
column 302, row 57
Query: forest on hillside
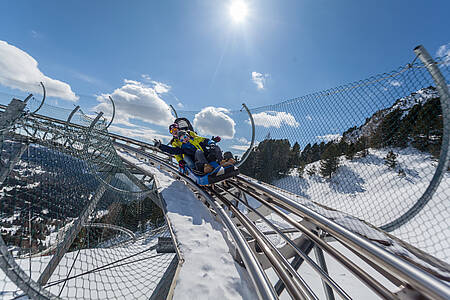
column 420, row 127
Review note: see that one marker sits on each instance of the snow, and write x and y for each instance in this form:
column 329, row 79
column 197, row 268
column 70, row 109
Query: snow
column 366, row 188
column 118, row 280
column 208, row 270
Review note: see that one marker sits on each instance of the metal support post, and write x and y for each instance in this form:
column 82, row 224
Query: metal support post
column 444, row 157
column 13, row 111
column 322, row 263
column 250, row 148
column 306, row 247
column 73, row 232
column 4, row 171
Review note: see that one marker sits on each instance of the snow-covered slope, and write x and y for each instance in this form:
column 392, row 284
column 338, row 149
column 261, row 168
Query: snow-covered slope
column 208, row 270
column 368, row 189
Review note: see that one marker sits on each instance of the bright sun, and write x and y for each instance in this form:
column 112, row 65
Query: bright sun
column 238, row 11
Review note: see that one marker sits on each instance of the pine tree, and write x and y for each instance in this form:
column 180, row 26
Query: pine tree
column 330, row 161
column 311, row 171
column 351, row 151
column 294, row 159
column 301, row 169
column 305, row 156
column 391, row 159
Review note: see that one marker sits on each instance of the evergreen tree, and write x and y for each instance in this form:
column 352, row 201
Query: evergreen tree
column 269, row 161
column 311, row 171
column 391, row 159
column 301, row 169
column 361, row 147
column 315, row 152
column 330, row 161
column 294, row 159
column 387, row 129
column 351, row 151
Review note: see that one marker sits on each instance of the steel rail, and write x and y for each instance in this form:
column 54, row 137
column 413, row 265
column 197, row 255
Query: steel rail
column 425, row 283
column 298, row 288
column 262, row 284
column 316, row 267
column 371, row 282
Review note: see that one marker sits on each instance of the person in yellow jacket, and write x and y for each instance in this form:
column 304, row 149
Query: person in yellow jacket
column 192, row 150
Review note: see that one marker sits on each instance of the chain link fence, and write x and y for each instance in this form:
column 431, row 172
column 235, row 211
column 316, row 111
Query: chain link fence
column 75, row 223
column 368, row 148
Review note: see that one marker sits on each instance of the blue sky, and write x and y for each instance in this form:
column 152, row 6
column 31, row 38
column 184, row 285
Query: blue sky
column 193, row 55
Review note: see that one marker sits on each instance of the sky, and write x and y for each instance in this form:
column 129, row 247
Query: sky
column 196, row 56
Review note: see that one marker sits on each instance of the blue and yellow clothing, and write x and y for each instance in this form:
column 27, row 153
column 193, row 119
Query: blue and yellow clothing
column 179, row 149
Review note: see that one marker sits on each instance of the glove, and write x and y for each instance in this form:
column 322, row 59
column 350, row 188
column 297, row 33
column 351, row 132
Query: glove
column 182, row 163
column 216, row 139
column 156, row 143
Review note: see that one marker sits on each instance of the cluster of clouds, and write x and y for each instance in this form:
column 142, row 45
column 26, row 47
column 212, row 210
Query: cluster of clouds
column 259, row 79
column 139, row 101
column 395, row 83
column 274, row 119
column 215, row 121
column 444, row 51
column 19, row 70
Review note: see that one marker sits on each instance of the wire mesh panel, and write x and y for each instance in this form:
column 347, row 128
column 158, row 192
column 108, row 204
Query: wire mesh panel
column 74, row 222
column 369, row 148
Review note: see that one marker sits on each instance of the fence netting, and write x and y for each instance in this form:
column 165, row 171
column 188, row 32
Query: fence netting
column 65, row 186
column 369, row 149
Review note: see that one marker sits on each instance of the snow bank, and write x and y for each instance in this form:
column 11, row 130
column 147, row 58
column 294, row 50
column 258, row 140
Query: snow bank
column 208, row 270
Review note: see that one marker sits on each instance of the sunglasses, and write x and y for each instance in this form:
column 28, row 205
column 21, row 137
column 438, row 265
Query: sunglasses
column 173, row 130
column 184, row 138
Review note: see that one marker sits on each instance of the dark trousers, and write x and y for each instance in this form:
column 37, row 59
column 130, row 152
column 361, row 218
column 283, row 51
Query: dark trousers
column 213, row 154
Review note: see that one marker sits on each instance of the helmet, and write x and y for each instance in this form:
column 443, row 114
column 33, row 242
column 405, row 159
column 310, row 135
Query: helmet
column 172, row 128
column 183, row 136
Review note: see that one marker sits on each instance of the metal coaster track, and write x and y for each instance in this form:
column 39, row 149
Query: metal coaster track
column 411, row 273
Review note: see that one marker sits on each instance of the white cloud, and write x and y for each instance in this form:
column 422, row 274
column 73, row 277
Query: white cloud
column 240, row 147
column 135, row 100
column 159, row 87
column 274, row 119
column 35, row 34
column 146, row 77
column 395, row 83
column 444, row 50
column 259, row 79
column 308, row 117
column 215, row 121
column 330, row 137
column 18, row 70
column 243, row 140
column 139, row 133
column 180, row 105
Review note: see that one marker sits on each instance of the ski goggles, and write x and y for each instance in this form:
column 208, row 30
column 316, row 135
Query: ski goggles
column 173, row 130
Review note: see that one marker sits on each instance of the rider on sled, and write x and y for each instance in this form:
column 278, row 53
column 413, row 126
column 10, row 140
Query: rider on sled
column 194, row 151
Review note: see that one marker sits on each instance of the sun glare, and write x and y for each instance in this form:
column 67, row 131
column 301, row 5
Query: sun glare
column 238, row 11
